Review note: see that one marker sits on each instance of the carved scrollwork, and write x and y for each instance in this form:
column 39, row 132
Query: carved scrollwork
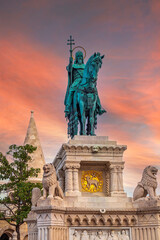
column 95, row 148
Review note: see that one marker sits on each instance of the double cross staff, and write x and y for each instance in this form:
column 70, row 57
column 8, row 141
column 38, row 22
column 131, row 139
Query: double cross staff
column 70, row 43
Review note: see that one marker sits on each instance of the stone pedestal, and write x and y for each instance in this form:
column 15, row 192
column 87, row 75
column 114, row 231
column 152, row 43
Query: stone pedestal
column 63, row 223
column 148, row 220
column 91, row 153
column 90, row 172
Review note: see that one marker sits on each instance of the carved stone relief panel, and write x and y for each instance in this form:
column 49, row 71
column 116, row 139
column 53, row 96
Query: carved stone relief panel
column 99, row 233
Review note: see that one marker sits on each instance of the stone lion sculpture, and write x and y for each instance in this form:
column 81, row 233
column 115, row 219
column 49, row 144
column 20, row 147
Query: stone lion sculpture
column 51, row 186
column 147, row 185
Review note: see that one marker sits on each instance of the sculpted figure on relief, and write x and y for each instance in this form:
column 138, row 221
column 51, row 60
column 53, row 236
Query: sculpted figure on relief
column 92, row 236
column 124, row 235
column 114, row 236
column 85, row 235
column 75, row 235
column 109, row 237
column 99, row 236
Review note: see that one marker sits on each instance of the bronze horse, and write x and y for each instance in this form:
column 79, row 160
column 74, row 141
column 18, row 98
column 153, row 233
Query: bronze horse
column 85, row 100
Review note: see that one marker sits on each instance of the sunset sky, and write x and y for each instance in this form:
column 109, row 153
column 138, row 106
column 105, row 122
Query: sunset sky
column 33, row 76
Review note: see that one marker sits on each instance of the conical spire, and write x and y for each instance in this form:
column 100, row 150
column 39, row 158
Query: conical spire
column 32, row 138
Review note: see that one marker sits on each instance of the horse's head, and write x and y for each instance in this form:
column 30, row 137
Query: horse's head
column 93, row 65
column 97, row 60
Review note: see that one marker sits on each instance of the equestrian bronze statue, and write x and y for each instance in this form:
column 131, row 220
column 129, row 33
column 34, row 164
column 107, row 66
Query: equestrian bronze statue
column 82, row 103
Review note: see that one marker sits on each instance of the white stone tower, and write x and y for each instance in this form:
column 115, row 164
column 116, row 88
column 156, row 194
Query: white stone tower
column 32, row 138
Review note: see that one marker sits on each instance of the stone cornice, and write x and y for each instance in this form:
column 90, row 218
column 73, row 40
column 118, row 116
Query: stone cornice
column 73, row 210
column 48, row 209
column 89, row 148
column 95, row 148
column 82, row 211
column 97, row 211
column 149, row 210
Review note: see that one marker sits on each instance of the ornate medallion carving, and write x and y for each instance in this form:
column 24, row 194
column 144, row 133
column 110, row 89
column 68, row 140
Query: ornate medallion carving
column 92, row 181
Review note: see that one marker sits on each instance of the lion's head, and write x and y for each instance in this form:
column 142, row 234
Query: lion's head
column 48, row 169
column 150, row 171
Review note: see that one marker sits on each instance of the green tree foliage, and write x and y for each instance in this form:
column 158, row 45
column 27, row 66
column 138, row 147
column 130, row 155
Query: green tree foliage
column 16, row 174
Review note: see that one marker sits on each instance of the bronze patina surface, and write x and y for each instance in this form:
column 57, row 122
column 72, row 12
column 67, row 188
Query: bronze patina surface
column 82, row 102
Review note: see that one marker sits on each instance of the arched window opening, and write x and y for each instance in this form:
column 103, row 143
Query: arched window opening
column 4, row 237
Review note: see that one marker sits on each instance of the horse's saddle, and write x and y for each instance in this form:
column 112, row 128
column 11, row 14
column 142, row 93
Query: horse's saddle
column 87, row 90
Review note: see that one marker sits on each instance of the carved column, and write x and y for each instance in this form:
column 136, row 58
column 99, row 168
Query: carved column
column 107, row 178
column 136, row 233
column 157, row 233
column 113, row 177
column 68, row 179
column 116, row 180
column 133, row 233
column 50, row 233
column 61, row 179
column 71, row 179
column 153, row 233
column 120, row 178
column 141, row 233
column 149, row 233
column 145, row 233
column 75, row 179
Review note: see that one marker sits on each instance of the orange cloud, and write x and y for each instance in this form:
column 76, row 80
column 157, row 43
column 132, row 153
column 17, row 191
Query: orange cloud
column 31, row 79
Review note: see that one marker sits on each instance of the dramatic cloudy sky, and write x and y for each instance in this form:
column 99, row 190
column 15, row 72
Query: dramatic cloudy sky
column 34, row 55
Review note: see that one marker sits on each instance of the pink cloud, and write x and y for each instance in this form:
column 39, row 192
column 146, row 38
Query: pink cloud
column 31, row 79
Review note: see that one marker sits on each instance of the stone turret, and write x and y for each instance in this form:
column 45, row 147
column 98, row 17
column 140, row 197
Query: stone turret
column 37, row 156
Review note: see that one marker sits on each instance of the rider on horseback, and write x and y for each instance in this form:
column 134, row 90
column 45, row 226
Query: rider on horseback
column 77, row 75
